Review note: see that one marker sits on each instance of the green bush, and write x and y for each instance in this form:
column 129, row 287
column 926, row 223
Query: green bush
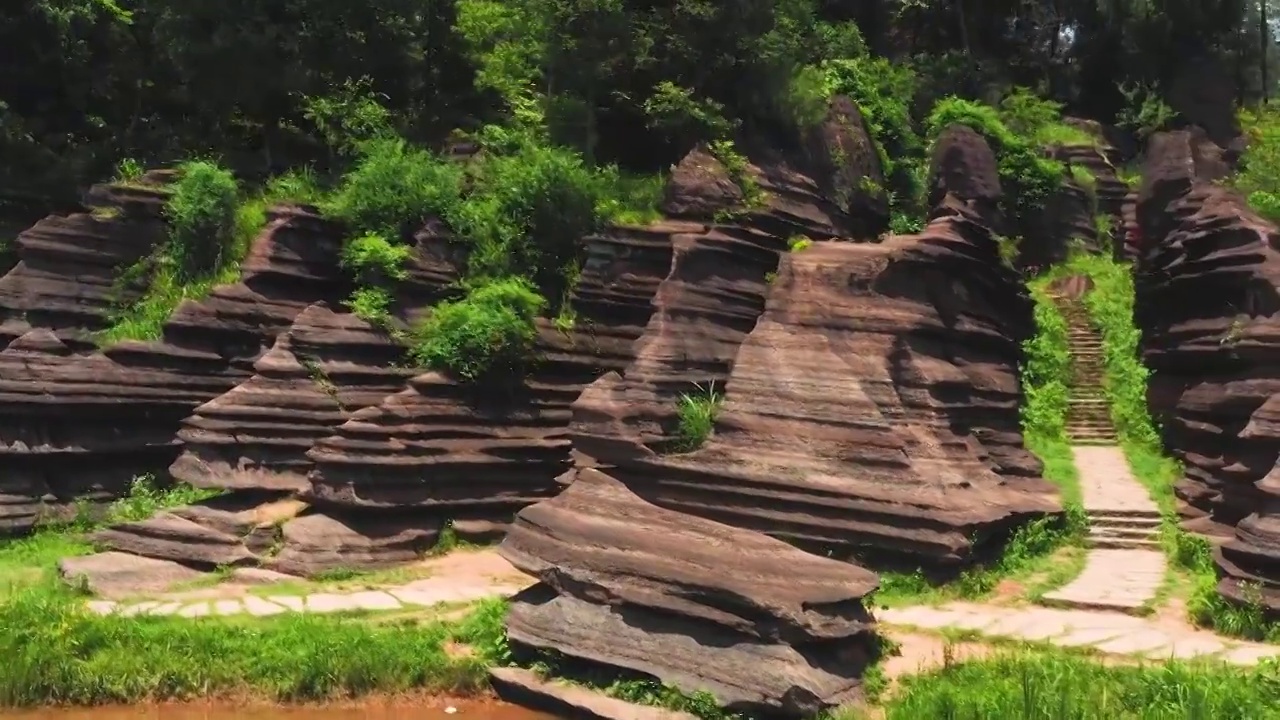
column 1258, row 178
column 1028, row 178
column 489, row 333
column 373, row 258
column 202, row 218
column 393, row 187
column 528, row 210
column 884, row 91
column 1040, row 120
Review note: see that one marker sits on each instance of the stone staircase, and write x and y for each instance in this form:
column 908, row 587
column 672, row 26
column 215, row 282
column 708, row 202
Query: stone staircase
column 1089, row 416
column 1121, row 514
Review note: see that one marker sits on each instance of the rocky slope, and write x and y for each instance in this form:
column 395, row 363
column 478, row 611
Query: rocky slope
column 1208, row 306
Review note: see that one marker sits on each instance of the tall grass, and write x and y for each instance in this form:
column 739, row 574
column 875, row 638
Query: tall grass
column 1031, row 685
column 696, row 412
column 56, row 652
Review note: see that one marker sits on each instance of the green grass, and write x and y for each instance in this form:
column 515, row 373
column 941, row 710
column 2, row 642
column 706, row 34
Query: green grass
column 56, row 652
column 1048, row 685
column 697, row 413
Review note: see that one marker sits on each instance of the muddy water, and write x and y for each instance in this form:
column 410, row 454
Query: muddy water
column 464, row 711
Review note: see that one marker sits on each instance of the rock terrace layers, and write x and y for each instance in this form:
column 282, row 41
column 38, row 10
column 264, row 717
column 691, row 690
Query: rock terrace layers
column 66, row 277
column 82, row 426
column 256, row 437
column 1209, row 310
column 765, row 628
column 873, row 408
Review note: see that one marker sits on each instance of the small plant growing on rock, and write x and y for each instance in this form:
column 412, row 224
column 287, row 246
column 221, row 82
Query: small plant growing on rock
column 799, row 243
column 697, row 412
column 128, row 170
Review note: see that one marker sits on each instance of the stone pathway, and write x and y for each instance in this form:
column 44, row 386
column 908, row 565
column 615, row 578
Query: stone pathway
column 1107, row 632
column 417, row 594
column 1125, row 566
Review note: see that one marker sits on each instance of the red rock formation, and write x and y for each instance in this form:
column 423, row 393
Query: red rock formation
column 920, row 335
column 1209, row 310
column 66, row 276
column 83, row 425
column 705, row 607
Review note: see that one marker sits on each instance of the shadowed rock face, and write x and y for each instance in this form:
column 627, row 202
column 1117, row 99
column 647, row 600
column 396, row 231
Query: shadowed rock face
column 700, row 605
column 1208, row 306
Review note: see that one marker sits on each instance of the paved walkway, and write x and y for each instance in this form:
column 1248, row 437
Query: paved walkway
column 419, row 593
column 1125, row 565
column 1107, row 632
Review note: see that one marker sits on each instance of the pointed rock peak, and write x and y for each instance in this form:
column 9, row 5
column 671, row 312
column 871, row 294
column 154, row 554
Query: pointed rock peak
column 279, row 360
column 316, row 315
column 40, row 341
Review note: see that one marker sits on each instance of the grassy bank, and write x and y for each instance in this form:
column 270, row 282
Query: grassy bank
column 1045, row 553
column 1110, row 305
column 57, row 652
column 1048, row 685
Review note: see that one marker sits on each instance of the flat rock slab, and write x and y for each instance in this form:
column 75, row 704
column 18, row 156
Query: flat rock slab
column 526, row 688
column 1122, row 580
column 116, row 575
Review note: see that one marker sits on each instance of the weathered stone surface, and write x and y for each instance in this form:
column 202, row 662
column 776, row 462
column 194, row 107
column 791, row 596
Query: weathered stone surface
column 67, row 266
column 83, row 425
column 873, row 407
column 1208, row 305
column 525, row 688
column 964, row 167
column 843, row 159
column 120, row 575
column 703, row 606
column 323, row 369
column 315, row 543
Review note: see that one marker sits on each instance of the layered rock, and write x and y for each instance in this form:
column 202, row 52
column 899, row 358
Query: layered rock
column 1209, row 310
column 69, row 268
column 83, row 425
column 873, row 408
column 765, row 628
column 474, row 456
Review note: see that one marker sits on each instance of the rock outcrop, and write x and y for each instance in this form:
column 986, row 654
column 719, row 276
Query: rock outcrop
column 765, row 628
column 1209, row 310
column 69, row 267
column 917, row 457
column 82, row 425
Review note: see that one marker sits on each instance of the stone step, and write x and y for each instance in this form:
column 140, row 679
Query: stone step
column 1088, row 401
column 1119, row 534
column 1146, row 518
column 1122, row 544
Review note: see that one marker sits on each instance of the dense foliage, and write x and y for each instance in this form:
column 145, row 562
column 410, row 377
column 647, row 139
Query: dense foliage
column 267, row 86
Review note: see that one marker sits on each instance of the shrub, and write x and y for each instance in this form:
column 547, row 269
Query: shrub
column 883, row 92
column 372, row 258
column 393, row 187
column 202, row 218
column 1258, row 178
column 1028, row 178
column 528, row 211
column 1039, row 120
column 489, row 333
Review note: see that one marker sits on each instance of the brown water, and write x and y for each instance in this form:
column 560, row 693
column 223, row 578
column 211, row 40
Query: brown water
column 466, row 710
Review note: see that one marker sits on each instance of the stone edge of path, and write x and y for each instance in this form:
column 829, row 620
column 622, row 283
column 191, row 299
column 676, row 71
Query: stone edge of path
column 1110, row 633
column 417, row 594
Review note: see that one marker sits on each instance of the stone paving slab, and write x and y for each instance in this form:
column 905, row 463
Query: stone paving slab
column 1106, row 482
column 1114, row 579
column 1106, row 632
column 420, row 593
